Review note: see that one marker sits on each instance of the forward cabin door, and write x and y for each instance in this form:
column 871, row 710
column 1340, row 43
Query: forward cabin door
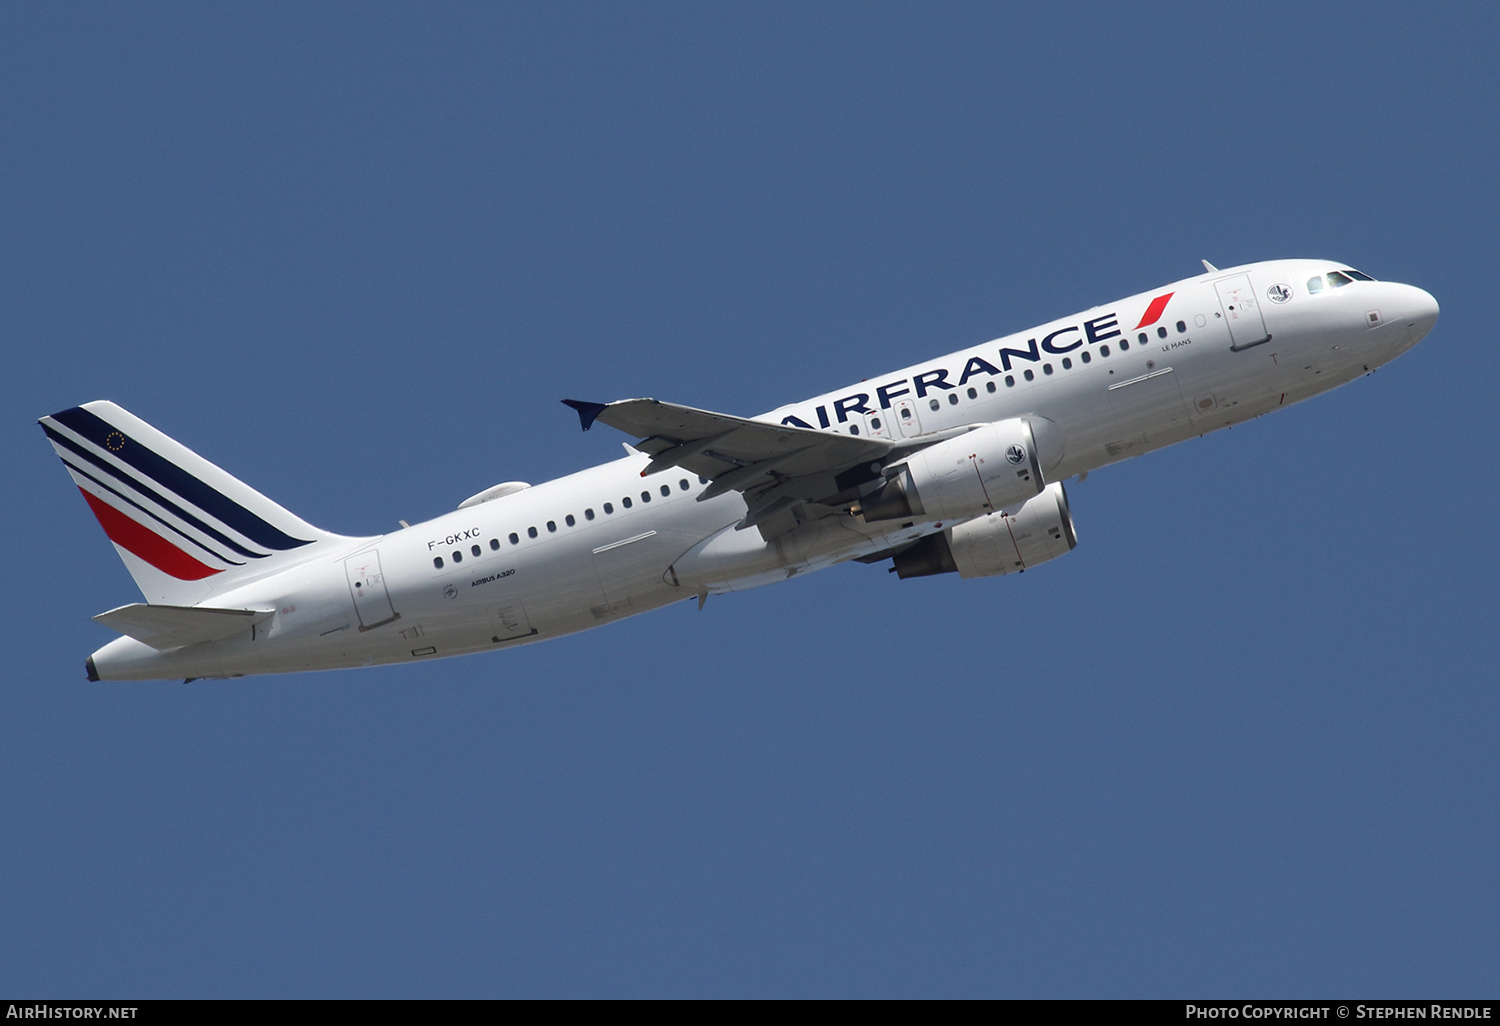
column 372, row 602
column 1241, row 310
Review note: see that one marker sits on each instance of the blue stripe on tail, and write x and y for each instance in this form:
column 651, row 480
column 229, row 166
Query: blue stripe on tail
column 171, row 476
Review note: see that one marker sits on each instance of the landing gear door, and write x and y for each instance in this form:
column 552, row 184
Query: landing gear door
column 367, row 587
column 1246, row 325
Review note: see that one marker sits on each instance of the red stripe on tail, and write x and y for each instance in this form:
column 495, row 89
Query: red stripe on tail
column 146, row 543
column 1154, row 311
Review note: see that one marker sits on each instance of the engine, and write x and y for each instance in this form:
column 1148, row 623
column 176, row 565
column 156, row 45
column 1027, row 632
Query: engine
column 988, row 469
column 1012, row 540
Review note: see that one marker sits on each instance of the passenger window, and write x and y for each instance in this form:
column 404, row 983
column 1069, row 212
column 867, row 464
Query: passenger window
column 494, row 544
column 1182, row 327
column 1124, row 345
column 458, row 557
column 1029, row 376
column 666, row 490
column 853, row 430
column 934, row 404
column 905, row 413
column 1104, row 350
column 952, row 399
column 569, row 520
column 515, row 539
column 973, row 394
column 1010, row 380
column 1315, row 284
column 1084, row 356
column 588, row 514
column 989, row 386
column 1067, row 363
column 625, row 502
column 875, row 423
column 1338, row 279
column 1046, row 368
column 531, row 532
column 1161, row 332
column 552, row 527
column 702, row 479
column 437, row 561
column 476, row 551
column 645, row 496
column 609, row 508
column 683, row 484
column 1141, row 338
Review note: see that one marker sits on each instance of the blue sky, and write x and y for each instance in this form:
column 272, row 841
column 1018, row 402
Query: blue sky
column 1240, row 742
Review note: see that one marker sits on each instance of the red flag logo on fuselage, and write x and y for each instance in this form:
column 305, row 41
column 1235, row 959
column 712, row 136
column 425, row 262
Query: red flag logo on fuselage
column 1155, row 310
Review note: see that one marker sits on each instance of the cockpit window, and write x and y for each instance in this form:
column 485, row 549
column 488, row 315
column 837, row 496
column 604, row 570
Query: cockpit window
column 1338, row 279
column 1358, row 275
column 1315, row 284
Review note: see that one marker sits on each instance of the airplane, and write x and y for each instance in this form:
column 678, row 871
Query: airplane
column 953, row 465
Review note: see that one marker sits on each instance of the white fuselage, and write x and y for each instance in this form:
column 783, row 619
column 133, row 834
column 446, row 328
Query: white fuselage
column 599, row 545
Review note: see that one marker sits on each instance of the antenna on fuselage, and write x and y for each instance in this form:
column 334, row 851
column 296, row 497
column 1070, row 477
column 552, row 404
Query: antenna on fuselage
column 1209, row 267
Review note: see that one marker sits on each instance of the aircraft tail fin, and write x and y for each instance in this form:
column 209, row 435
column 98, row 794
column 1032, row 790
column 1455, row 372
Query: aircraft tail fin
column 183, row 527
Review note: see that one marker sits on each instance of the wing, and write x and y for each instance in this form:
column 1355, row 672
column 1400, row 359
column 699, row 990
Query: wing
column 780, row 469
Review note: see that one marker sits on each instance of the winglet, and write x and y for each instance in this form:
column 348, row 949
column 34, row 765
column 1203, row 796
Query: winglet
column 1210, row 268
column 586, row 411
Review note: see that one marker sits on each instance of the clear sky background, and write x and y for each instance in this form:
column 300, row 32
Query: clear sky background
column 1241, row 742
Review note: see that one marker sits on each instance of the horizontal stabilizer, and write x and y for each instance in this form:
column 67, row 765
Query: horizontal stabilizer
column 167, row 627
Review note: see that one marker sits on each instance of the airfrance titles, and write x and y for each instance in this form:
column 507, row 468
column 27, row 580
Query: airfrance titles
column 1060, row 340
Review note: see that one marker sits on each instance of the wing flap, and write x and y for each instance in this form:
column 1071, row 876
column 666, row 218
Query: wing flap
column 736, row 453
column 168, row 627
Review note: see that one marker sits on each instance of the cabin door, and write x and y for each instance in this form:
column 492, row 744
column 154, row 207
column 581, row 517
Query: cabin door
column 1246, row 325
column 904, row 413
column 878, row 424
column 372, row 602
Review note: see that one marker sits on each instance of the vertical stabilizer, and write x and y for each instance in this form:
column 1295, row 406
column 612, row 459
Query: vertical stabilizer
column 183, row 527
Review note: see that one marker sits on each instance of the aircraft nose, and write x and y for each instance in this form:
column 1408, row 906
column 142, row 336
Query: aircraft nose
column 1419, row 310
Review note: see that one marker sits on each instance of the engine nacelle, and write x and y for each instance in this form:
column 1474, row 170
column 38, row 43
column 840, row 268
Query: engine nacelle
column 1009, row 541
column 986, row 470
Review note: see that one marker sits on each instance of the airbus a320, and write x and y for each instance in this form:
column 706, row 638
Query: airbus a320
column 952, row 465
